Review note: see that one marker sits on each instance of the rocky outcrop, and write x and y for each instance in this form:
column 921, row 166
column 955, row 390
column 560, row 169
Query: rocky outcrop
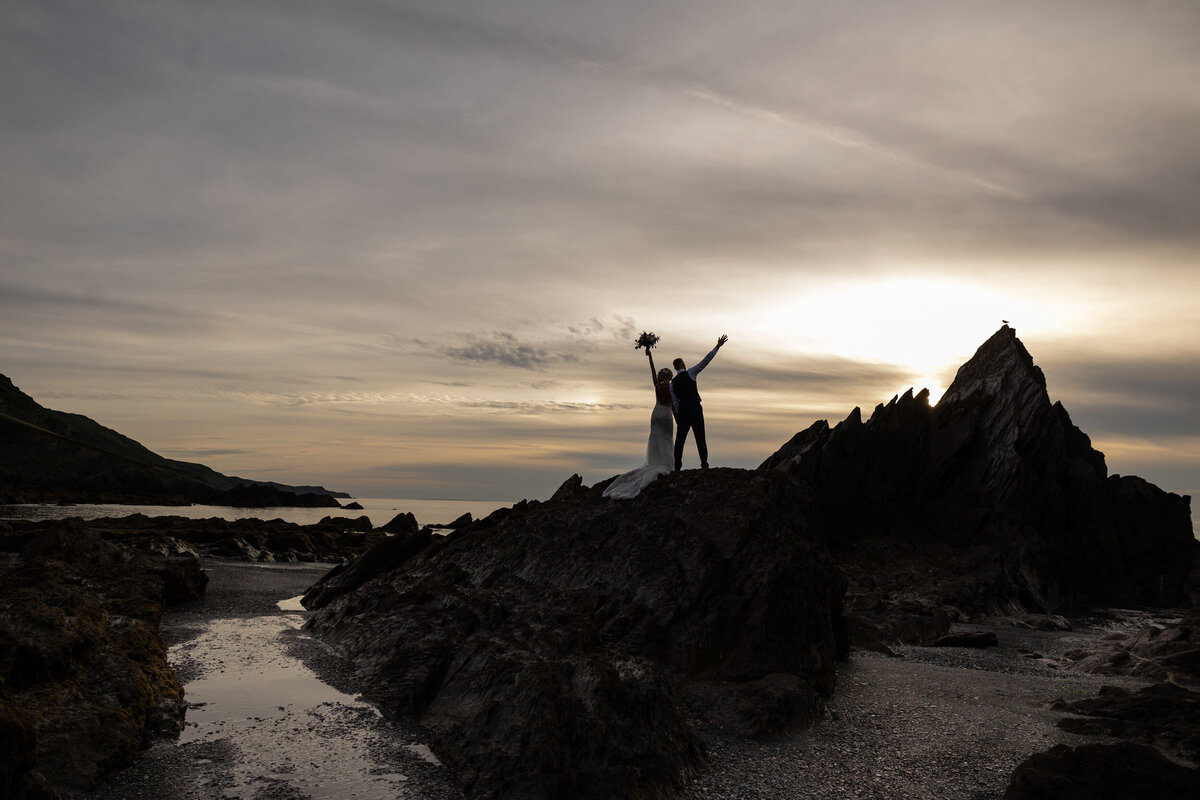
column 1162, row 714
column 256, row 496
column 1162, row 652
column 551, row 648
column 1099, row 772
column 990, row 503
column 332, row 540
column 84, row 680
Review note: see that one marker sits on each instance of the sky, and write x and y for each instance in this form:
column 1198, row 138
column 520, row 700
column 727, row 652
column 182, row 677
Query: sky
column 403, row 249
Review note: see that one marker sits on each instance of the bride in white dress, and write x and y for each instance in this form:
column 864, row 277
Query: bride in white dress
column 660, row 456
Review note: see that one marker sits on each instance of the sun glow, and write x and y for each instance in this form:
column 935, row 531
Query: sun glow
column 926, row 325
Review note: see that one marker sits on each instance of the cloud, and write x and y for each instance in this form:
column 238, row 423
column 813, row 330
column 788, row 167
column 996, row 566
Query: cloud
column 502, row 348
column 366, row 215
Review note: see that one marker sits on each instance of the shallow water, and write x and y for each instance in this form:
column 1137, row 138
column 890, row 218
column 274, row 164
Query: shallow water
column 273, row 709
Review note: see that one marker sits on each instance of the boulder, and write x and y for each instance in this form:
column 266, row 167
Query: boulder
column 1102, row 772
column 547, row 647
column 403, row 522
column 1162, row 714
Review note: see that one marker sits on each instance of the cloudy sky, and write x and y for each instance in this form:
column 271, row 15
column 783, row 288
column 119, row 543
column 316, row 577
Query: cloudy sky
column 403, row 249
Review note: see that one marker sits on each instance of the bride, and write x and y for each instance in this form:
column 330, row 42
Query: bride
column 659, row 454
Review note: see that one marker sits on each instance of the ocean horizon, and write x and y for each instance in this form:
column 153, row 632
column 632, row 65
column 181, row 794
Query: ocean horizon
column 380, row 510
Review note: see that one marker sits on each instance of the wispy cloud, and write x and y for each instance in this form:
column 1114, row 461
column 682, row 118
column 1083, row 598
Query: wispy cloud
column 502, row 348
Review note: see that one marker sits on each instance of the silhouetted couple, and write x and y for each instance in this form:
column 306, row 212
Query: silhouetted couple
column 678, row 398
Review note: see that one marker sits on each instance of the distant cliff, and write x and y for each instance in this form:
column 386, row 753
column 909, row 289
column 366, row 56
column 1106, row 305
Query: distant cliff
column 52, row 456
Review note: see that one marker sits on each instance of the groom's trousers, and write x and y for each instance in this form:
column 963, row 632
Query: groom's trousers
column 690, row 417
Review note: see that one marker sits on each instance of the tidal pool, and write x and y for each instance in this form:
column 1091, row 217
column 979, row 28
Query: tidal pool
column 292, row 735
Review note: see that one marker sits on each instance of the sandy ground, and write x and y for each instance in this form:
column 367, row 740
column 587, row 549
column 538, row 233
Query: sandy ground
column 272, row 715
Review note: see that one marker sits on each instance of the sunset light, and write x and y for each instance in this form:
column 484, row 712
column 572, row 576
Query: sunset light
column 408, row 253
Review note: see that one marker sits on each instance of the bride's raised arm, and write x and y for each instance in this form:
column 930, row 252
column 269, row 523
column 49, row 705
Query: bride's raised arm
column 653, row 371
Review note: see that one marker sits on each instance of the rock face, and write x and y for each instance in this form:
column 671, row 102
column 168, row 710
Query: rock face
column 84, row 680
column 997, row 491
column 550, row 646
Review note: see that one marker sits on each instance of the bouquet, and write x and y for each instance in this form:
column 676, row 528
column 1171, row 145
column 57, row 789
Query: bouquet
column 646, row 340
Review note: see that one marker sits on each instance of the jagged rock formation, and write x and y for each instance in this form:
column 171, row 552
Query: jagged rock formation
column 50, row 456
column 551, row 648
column 84, row 680
column 997, row 492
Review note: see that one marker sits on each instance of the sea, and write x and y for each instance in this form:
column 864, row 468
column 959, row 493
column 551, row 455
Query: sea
column 380, row 510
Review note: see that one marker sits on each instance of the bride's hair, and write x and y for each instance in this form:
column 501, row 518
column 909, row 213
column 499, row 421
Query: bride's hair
column 664, row 374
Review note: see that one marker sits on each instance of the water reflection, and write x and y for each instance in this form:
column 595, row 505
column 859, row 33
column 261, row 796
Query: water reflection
column 287, row 726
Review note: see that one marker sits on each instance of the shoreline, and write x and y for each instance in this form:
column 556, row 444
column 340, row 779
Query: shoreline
column 947, row 723
column 272, row 713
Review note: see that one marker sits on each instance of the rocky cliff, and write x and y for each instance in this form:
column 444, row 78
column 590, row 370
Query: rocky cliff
column 49, row 456
column 997, row 491
column 559, row 649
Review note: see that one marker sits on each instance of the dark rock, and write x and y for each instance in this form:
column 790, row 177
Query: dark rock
column 1102, row 772
column 1158, row 652
column 967, row 639
column 353, row 506
column 82, row 664
column 402, row 523
column 362, row 523
column 992, row 503
column 1163, row 714
column 259, row 496
column 766, row 708
column 546, row 647
column 175, row 542
column 386, row 556
column 462, row 522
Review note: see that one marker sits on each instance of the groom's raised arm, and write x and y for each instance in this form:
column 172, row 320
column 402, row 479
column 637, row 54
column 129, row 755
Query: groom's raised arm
column 704, row 361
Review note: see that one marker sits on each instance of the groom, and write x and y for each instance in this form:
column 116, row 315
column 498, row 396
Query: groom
column 689, row 415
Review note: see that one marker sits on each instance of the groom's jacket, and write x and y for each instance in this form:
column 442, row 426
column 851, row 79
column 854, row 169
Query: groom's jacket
column 684, row 389
column 683, row 385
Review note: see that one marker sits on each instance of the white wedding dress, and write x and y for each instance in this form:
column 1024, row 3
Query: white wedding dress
column 660, row 457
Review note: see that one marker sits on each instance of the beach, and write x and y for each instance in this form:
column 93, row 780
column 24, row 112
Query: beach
column 946, row 723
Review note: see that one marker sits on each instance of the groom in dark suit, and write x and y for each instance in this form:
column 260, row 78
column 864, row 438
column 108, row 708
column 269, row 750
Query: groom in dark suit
column 689, row 414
